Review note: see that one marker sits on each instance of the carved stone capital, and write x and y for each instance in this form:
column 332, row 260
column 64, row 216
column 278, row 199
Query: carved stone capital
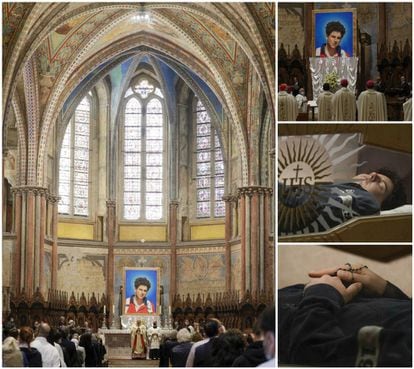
column 53, row 199
column 36, row 190
column 110, row 203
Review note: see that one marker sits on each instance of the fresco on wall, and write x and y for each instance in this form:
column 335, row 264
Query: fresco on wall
column 143, row 261
column 201, row 273
column 13, row 16
column 81, row 271
column 228, row 57
column 399, row 22
column 235, row 270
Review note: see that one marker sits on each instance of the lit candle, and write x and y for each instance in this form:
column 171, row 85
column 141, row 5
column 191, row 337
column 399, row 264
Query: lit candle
column 113, row 309
column 104, row 309
column 160, row 310
column 169, row 310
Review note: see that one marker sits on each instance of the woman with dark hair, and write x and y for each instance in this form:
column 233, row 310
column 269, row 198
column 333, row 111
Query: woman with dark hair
column 226, row 348
column 31, row 356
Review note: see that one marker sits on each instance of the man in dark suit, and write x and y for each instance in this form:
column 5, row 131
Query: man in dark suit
column 203, row 352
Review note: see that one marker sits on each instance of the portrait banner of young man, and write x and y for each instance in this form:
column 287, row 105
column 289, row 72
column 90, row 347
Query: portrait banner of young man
column 334, row 33
column 141, row 291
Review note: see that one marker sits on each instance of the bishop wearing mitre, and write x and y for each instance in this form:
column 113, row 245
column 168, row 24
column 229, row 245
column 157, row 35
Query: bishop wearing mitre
column 287, row 106
column 344, row 103
column 371, row 104
column 324, row 102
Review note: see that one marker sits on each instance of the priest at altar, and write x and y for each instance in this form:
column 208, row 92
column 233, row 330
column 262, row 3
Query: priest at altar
column 287, row 105
column 324, row 102
column 371, row 104
column 344, row 103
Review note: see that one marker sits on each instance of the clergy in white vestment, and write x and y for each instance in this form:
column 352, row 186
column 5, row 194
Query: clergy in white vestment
column 302, row 101
column 371, row 104
column 408, row 115
column 287, row 106
column 324, row 102
column 344, row 103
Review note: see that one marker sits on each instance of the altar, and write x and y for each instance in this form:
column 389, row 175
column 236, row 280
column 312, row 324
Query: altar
column 118, row 341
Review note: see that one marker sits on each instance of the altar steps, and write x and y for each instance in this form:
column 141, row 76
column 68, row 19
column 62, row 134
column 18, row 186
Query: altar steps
column 129, row 363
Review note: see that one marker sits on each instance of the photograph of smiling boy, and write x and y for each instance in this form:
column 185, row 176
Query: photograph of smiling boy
column 141, row 295
column 334, row 33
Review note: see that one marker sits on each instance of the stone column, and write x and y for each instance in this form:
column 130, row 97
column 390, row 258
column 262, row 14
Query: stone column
column 243, row 231
column 255, row 192
column 30, row 222
column 235, row 217
column 227, row 238
column 269, row 247
column 111, row 229
column 172, row 235
column 256, row 254
column 42, row 232
column 54, row 201
column 17, row 249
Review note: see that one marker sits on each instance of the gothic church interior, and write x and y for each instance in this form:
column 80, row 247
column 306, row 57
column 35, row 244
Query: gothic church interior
column 138, row 135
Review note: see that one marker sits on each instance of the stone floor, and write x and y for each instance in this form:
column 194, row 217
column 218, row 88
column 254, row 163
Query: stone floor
column 127, row 363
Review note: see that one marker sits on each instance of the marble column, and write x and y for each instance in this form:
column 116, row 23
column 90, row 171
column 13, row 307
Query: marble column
column 257, row 262
column 227, row 238
column 18, row 246
column 111, row 229
column 54, row 233
column 42, row 232
column 172, row 235
column 269, row 247
column 30, row 226
column 30, row 214
column 255, row 192
column 243, row 232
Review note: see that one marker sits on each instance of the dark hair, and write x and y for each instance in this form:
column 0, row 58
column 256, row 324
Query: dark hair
column 142, row 282
column 326, row 86
column 226, row 348
column 335, row 27
column 26, row 335
column 211, row 328
column 267, row 320
column 398, row 196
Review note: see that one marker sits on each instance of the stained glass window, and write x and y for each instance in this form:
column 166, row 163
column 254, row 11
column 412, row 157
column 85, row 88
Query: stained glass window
column 209, row 167
column 143, row 148
column 74, row 163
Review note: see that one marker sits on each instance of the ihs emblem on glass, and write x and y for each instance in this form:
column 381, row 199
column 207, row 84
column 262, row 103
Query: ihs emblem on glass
column 303, row 164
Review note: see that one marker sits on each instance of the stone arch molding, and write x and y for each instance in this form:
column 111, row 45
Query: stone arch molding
column 246, row 38
column 209, row 72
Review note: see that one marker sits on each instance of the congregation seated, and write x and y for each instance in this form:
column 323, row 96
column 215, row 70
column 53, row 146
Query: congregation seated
column 179, row 353
column 12, row 356
column 254, row 354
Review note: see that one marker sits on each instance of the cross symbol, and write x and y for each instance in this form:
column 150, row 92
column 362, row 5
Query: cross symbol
column 297, row 172
column 142, row 261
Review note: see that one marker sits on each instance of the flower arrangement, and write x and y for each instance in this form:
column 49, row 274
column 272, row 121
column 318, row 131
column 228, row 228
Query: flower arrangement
column 333, row 80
